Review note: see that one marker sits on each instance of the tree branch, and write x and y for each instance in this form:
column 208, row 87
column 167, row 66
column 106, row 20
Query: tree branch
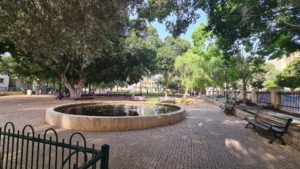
column 67, row 67
column 290, row 24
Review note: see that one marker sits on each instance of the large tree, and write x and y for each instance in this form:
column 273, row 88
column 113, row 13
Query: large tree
column 290, row 76
column 275, row 22
column 237, row 38
column 170, row 49
column 269, row 78
column 25, row 72
column 192, row 71
column 248, row 63
column 183, row 13
column 80, row 41
column 215, row 64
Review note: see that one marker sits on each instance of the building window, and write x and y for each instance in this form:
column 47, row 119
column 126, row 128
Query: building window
column 1, row 80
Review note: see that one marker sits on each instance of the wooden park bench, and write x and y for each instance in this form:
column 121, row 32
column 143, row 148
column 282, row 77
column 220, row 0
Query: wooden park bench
column 227, row 108
column 276, row 126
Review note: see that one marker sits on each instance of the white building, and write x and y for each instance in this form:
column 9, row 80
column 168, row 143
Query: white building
column 4, row 82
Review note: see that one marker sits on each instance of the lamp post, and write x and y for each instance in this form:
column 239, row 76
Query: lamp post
column 226, row 84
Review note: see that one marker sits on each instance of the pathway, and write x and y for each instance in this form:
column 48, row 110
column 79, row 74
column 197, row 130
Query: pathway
column 206, row 139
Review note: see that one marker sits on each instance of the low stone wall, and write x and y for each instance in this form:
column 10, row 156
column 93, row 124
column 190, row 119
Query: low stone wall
column 138, row 98
column 10, row 93
column 101, row 123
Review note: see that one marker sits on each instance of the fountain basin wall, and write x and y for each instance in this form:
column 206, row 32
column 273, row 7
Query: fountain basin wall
column 104, row 123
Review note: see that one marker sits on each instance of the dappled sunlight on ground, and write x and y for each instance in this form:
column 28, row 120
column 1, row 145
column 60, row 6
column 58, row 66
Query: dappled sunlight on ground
column 34, row 108
column 235, row 146
column 196, row 142
column 268, row 156
column 233, row 122
column 228, row 122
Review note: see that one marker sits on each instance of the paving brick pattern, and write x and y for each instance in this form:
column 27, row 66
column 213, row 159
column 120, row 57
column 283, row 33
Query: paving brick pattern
column 206, row 139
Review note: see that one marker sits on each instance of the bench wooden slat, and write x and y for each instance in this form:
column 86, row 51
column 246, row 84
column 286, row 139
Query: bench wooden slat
column 261, row 124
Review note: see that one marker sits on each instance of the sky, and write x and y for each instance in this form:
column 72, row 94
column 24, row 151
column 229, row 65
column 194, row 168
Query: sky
column 162, row 32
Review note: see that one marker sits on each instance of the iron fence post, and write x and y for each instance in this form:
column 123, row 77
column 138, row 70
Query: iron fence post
column 105, row 156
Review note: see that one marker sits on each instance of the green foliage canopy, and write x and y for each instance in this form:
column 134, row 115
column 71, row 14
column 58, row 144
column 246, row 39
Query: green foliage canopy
column 166, row 55
column 290, row 76
column 189, row 68
column 79, row 42
column 275, row 23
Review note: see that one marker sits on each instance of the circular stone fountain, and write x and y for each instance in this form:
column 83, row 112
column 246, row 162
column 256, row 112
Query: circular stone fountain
column 113, row 117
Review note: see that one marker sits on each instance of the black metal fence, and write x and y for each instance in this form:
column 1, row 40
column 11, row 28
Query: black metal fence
column 263, row 97
column 20, row 150
column 289, row 101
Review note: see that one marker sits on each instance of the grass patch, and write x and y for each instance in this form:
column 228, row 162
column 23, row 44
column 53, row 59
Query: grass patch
column 152, row 99
column 155, row 99
column 178, row 99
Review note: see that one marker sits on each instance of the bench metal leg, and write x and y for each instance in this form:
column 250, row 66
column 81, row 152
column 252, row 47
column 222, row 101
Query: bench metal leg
column 277, row 137
column 282, row 142
column 249, row 124
column 271, row 141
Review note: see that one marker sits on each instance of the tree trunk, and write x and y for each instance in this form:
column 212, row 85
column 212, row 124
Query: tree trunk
column 90, row 88
column 54, row 87
column 185, row 94
column 166, row 76
column 245, row 91
column 75, row 89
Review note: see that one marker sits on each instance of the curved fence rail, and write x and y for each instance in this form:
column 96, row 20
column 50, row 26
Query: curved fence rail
column 26, row 149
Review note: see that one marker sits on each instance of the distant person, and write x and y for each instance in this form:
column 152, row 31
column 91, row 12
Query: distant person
column 59, row 95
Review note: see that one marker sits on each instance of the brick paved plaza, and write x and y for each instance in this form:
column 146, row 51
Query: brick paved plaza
column 205, row 139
